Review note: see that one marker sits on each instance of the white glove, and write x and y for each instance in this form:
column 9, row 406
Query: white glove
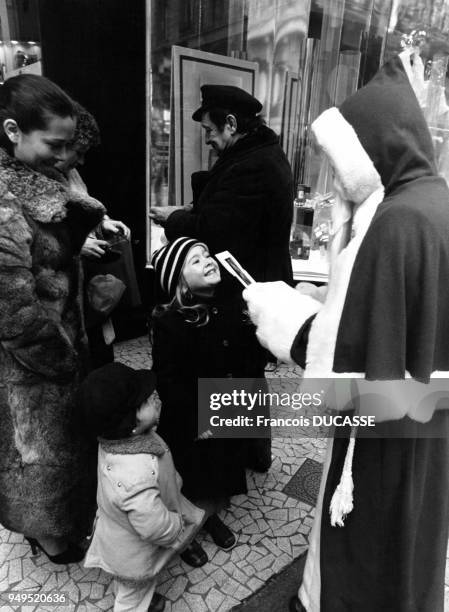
column 278, row 311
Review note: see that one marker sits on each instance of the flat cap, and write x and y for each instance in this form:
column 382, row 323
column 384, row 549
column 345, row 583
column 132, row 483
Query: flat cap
column 229, row 97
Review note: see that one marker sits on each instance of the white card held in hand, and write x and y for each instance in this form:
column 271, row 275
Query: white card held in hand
column 229, row 262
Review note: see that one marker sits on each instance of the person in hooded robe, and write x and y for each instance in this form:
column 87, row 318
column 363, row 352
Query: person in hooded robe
column 385, row 318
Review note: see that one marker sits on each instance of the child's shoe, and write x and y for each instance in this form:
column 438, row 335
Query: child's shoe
column 157, row 603
column 194, row 555
column 220, row 534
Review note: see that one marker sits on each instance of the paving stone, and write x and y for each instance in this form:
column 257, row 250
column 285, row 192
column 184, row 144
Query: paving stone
column 214, row 599
column 14, row 538
column 62, row 578
column 242, row 538
column 240, row 552
column 253, row 557
column 284, row 545
column 220, row 557
column 15, row 571
column 220, row 577
column 235, row 572
column 177, row 588
column 265, row 574
column 239, row 512
column 51, row 584
column 106, row 603
column 84, row 590
column 73, row 591
column 97, row 591
column 230, row 586
column 27, row 584
column 195, row 603
column 277, row 515
column 280, row 563
column 162, row 588
column 203, row 587
column 92, row 575
column 257, row 537
column 228, row 604
column 196, row 575
column 254, row 584
column 262, row 525
column 17, row 551
column 298, row 539
column 249, row 570
column 251, row 529
column 265, row 562
column 176, row 570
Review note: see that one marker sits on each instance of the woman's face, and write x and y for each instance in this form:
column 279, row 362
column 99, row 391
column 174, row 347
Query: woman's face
column 45, row 147
column 201, row 271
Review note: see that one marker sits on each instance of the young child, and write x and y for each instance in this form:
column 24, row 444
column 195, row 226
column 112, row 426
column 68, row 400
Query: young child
column 198, row 334
column 142, row 518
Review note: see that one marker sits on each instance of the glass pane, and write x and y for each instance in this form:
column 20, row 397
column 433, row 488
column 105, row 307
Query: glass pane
column 419, row 30
column 20, row 48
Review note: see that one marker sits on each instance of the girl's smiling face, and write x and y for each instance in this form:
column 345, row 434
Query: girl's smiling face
column 201, row 272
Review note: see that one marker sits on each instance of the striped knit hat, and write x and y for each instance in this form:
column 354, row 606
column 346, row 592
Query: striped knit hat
column 169, row 261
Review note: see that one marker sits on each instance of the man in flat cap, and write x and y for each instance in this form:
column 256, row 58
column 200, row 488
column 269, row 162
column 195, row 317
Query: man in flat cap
column 244, row 203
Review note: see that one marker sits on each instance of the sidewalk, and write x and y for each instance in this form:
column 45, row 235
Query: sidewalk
column 272, row 528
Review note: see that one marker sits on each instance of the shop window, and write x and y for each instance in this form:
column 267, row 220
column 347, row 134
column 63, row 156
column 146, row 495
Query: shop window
column 20, row 48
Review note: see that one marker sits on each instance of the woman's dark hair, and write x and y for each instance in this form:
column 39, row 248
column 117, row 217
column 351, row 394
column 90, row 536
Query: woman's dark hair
column 29, row 99
column 245, row 123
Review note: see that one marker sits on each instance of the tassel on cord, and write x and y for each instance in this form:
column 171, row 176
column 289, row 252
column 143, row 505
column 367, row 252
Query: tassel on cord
column 342, row 501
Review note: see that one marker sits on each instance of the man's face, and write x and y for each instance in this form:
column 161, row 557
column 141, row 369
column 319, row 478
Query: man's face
column 218, row 140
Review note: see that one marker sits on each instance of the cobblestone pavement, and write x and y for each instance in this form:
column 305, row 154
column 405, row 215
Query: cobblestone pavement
column 272, row 530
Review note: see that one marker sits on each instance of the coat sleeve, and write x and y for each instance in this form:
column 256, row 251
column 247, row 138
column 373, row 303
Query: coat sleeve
column 229, row 218
column 27, row 330
column 176, row 384
column 149, row 516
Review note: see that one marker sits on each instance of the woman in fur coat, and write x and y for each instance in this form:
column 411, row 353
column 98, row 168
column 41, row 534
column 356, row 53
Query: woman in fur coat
column 45, row 489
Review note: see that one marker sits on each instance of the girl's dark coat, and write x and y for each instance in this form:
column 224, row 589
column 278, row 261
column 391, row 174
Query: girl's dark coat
column 225, row 347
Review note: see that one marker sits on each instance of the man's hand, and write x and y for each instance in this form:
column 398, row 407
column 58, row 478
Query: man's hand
column 112, row 226
column 160, row 214
column 93, row 248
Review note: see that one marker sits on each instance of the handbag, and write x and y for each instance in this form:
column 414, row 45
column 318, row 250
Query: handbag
column 104, row 292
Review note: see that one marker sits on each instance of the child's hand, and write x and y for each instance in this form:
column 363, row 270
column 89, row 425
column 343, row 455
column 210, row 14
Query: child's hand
column 205, row 435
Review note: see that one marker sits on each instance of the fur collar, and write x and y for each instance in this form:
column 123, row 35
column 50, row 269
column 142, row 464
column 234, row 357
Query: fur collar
column 43, row 198
column 149, row 443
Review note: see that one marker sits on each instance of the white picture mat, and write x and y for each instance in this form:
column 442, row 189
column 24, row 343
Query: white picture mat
column 190, row 70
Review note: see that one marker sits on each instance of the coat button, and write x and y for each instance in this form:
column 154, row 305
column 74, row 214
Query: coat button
column 119, row 484
column 225, row 342
column 153, row 472
column 109, row 468
column 214, row 310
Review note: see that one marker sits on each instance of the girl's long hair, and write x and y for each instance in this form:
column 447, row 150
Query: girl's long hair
column 195, row 313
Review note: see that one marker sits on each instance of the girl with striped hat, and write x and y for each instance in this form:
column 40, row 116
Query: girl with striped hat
column 195, row 335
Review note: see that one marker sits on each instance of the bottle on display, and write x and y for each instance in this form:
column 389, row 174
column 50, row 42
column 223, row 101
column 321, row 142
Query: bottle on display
column 301, row 234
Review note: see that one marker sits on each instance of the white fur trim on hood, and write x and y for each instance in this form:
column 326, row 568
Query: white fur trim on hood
column 354, row 168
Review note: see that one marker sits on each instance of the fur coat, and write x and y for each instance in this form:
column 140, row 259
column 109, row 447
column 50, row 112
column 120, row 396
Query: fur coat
column 43, row 459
